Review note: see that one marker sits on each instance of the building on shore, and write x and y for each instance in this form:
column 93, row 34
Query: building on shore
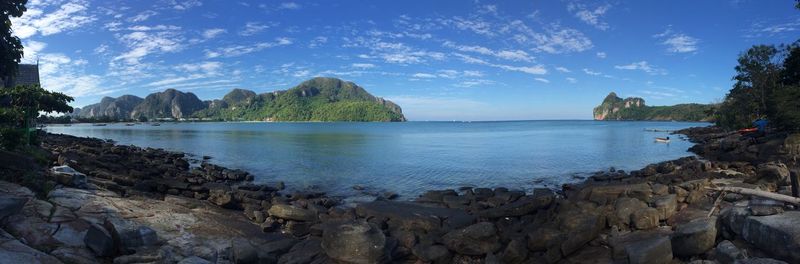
column 27, row 74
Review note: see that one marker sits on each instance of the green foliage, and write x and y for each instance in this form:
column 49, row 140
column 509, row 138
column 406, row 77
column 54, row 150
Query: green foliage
column 26, row 102
column 633, row 108
column 12, row 47
column 767, row 80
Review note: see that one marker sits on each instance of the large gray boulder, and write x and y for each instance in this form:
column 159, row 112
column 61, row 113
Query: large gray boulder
column 432, row 253
column 129, row 235
column 477, row 239
column 10, row 205
column 777, row 234
column 774, row 172
column 695, row 237
column 69, row 177
column 290, row 212
column 99, row 241
column 413, row 216
column 355, row 242
column 656, row 250
column 542, row 198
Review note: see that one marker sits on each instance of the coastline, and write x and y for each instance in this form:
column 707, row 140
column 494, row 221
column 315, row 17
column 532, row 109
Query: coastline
column 610, row 216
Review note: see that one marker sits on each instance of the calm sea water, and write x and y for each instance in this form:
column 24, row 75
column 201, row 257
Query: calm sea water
column 409, row 158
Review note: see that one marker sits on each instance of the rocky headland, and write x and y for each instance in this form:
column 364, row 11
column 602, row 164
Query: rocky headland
column 107, row 203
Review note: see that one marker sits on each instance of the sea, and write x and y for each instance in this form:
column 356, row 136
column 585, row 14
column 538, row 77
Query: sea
column 409, row 158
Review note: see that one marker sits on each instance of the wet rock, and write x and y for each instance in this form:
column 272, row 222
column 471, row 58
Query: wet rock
column 99, row 241
column 354, row 242
column 436, row 196
column 306, row 251
column 477, row 239
column 290, row 212
column 541, row 199
column 413, row 216
column 650, row 251
column 727, row 252
column 695, row 237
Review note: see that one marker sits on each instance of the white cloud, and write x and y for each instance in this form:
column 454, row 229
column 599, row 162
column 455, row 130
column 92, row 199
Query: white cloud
column 542, row 80
column 555, row 40
column 252, row 28
column 213, row 33
column 571, row 80
column 317, row 42
column 69, row 16
column 423, row 75
column 473, row 73
column 642, row 66
column 238, row 50
column 289, row 5
column 185, row 4
column 535, row 70
column 677, row 42
column 590, row 72
column 590, row 16
column 474, row 83
column 513, row 55
column 211, row 67
column 142, row 44
column 562, row 69
column 363, row 65
column 602, row 55
column 142, row 16
column 764, row 29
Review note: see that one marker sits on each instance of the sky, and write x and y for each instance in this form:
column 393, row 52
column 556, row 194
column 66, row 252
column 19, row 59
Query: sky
column 439, row 60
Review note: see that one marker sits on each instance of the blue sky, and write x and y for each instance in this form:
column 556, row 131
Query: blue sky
column 440, row 60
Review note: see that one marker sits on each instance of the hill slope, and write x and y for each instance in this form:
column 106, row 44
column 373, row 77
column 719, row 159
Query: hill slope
column 318, row 99
column 634, row 108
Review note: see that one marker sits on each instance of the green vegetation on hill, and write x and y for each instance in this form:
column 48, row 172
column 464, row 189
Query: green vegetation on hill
column 318, row 99
column 634, row 108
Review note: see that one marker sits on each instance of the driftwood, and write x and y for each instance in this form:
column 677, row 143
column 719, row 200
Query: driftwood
column 759, row 193
column 716, row 203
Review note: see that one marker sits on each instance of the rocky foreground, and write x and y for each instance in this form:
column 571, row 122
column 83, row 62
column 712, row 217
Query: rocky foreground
column 124, row 204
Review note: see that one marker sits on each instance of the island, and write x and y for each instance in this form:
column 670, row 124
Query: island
column 317, row 99
column 634, row 109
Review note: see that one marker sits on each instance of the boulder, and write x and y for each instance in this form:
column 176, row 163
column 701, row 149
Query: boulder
column 515, row 252
column 760, row 261
column 290, row 212
column 727, row 252
column 437, row 254
column 355, row 242
column 646, row 218
column 666, row 205
column 623, row 211
column 773, row 172
column 777, row 234
column 14, row 251
column 656, row 250
column 242, row 252
column 477, row 239
column 695, row 237
column 607, row 193
column 69, row 177
column 543, row 238
column 129, row 235
column 99, row 241
column 194, row 260
column 222, row 198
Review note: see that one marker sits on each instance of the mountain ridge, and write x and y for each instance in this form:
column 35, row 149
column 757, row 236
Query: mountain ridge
column 317, row 99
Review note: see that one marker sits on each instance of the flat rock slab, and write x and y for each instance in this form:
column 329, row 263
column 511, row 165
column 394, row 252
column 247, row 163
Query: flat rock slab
column 13, row 251
column 413, row 216
column 777, row 234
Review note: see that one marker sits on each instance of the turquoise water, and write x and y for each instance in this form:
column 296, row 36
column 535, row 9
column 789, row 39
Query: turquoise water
column 409, row 158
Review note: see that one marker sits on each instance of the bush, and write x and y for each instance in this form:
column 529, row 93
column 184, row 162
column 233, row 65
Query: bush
column 11, row 138
column 787, row 106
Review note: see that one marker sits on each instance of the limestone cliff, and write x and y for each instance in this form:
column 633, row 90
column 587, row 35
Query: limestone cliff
column 633, row 108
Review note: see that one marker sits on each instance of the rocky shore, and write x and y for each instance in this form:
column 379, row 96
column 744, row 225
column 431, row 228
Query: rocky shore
column 125, row 204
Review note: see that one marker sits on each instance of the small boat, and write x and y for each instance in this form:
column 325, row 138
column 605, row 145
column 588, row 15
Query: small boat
column 662, row 140
column 129, row 124
column 155, row 124
column 67, row 125
column 99, row 124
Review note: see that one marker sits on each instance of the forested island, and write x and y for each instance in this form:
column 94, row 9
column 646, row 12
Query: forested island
column 317, row 99
column 634, row 108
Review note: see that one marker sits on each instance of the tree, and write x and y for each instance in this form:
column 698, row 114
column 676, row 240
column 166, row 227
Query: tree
column 759, row 69
column 27, row 102
column 12, row 47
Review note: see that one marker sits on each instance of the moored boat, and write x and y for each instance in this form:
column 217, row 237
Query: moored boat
column 155, row 124
column 662, row 140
